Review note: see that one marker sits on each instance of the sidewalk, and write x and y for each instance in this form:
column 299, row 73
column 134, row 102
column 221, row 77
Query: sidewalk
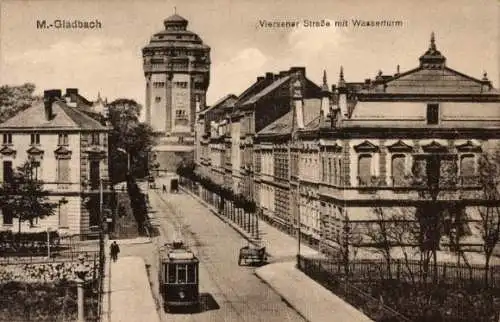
column 127, row 293
column 314, row 302
column 279, row 245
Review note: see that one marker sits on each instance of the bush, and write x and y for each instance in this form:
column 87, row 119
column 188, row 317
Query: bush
column 43, row 302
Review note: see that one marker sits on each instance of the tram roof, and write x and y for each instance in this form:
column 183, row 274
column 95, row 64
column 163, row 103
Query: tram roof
column 173, row 252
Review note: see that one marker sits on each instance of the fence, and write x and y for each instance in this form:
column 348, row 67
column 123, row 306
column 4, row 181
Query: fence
column 330, row 276
column 413, row 271
column 372, row 276
column 41, row 275
column 58, row 248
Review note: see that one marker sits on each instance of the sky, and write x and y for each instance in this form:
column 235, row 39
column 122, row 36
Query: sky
column 109, row 60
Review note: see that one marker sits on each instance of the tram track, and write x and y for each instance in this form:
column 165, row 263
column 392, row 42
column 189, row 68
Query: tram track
column 194, row 241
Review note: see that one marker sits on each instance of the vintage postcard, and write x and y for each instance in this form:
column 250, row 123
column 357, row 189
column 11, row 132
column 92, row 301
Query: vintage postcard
column 238, row 160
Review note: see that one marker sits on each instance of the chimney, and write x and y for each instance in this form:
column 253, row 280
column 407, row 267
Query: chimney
column 269, row 76
column 70, row 91
column 260, row 78
column 49, row 96
column 342, row 94
column 485, row 83
column 298, row 103
column 301, row 70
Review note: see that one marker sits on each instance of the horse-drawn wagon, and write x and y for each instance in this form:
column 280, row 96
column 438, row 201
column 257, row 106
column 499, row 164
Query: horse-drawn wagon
column 252, row 254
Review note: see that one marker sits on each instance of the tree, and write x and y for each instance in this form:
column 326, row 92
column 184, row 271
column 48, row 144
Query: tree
column 435, row 180
column 489, row 223
column 380, row 235
column 14, row 99
column 25, row 196
column 130, row 135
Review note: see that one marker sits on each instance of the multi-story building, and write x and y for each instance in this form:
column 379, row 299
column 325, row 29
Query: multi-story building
column 330, row 160
column 431, row 119
column 282, row 160
column 177, row 71
column 69, row 151
column 268, row 99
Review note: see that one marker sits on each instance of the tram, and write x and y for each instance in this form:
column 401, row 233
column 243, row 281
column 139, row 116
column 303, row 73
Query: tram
column 178, row 276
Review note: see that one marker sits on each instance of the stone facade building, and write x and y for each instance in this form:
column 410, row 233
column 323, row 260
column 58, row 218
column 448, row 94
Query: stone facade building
column 176, row 66
column 330, row 158
column 70, row 152
column 431, row 118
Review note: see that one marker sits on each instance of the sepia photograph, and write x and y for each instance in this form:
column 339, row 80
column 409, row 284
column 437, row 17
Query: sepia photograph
column 238, row 160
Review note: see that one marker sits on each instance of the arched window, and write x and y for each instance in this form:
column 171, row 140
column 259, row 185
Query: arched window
column 364, row 169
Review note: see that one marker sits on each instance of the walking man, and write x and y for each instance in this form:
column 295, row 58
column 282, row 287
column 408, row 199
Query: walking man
column 114, row 250
column 164, row 188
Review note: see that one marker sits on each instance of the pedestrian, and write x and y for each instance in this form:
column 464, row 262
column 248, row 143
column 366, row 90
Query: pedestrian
column 114, row 250
column 164, row 188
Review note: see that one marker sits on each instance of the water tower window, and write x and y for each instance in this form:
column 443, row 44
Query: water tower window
column 432, row 113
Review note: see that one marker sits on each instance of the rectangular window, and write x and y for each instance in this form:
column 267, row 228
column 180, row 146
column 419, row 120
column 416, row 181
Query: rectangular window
column 398, row 167
column 180, row 114
column 191, row 274
column 330, row 171
column 180, row 84
column 94, row 139
column 63, row 139
column 63, row 216
column 63, row 170
column 95, row 174
column 364, row 169
column 35, row 169
column 8, row 173
column 35, row 138
column 7, row 216
column 7, row 138
column 181, row 274
column 171, row 277
column 432, row 114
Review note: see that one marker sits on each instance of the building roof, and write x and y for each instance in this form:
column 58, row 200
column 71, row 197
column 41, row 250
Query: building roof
column 433, row 81
column 175, row 18
column 432, row 76
column 286, row 123
column 175, row 35
column 283, row 125
column 268, row 89
column 226, row 101
column 64, row 117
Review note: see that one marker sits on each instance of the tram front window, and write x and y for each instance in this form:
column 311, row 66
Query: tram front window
column 181, row 274
column 191, row 274
column 171, row 273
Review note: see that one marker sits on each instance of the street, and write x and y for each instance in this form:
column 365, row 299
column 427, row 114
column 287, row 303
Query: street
column 228, row 292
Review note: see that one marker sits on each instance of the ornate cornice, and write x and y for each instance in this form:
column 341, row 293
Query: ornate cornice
column 366, row 146
column 469, row 147
column 7, row 150
column 434, row 147
column 400, row 146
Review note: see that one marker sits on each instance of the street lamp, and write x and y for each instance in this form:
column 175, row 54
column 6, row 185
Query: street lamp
column 48, row 242
column 80, row 271
column 128, row 157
